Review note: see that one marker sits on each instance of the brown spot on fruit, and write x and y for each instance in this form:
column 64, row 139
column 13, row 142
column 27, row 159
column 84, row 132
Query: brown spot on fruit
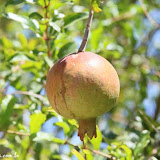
column 56, row 105
column 85, row 85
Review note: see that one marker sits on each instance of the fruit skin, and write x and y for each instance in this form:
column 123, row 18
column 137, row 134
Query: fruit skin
column 82, row 86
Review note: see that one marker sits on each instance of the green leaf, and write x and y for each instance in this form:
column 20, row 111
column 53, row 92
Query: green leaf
column 77, row 154
column 97, row 141
column 88, row 154
column 57, row 157
column 95, row 6
column 57, row 140
column 47, row 137
column 153, row 158
column 48, row 61
column 67, row 49
column 142, row 143
column 50, row 109
column 55, row 26
column 36, row 120
column 6, row 43
column 23, row 40
column 25, row 21
column 41, row 2
column 25, row 142
column 21, row 106
column 70, row 19
column 14, row 2
column 95, row 37
column 19, row 57
column 35, row 15
column 6, row 110
column 31, row 65
column 3, row 141
column 64, row 126
column 148, row 122
column 43, row 136
column 73, row 122
column 128, row 152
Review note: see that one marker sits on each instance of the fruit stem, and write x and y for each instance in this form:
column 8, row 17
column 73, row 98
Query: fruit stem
column 46, row 34
column 85, row 38
column 84, row 147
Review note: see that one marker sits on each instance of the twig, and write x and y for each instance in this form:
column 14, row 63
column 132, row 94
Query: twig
column 46, row 34
column 29, row 94
column 85, row 38
column 147, row 14
column 17, row 133
column 157, row 109
column 121, row 17
column 94, row 151
column 148, row 121
column 84, row 147
column 66, row 142
column 103, row 154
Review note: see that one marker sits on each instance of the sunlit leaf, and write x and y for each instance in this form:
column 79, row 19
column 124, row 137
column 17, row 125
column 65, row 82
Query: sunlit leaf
column 47, row 137
column 25, row 142
column 64, row 126
column 77, row 154
column 23, row 40
column 142, row 143
column 73, row 122
column 36, row 120
column 95, row 6
column 58, row 140
column 88, row 154
column 97, row 141
column 19, row 57
column 128, row 152
column 31, row 64
column 95, row 37
column 55, row 26
column 41, row 2
column 25, row 21
column 43, row 136
column 6, row 43
column 20, row 106
column 50, row 109
column 48, row 61
column 70, row 19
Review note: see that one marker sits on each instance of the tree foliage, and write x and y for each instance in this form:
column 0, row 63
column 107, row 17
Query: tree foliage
column 34, row 34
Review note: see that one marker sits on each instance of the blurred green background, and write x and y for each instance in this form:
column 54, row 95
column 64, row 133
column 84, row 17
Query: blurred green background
column 122, row 34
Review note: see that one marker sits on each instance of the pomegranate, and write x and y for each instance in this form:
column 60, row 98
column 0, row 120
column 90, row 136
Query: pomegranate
column 82, row 86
